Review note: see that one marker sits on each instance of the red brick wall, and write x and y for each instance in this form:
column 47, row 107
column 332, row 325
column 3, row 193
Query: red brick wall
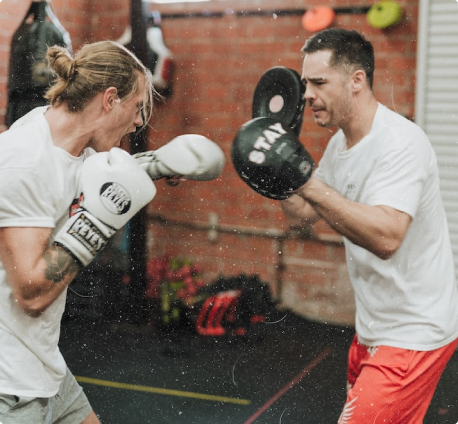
column 218, row 63
column 85, row 20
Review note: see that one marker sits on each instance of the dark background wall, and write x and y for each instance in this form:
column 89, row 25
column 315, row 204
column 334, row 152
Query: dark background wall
column 220, row 55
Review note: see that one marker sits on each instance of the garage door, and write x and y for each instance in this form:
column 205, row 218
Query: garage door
column 436, row 108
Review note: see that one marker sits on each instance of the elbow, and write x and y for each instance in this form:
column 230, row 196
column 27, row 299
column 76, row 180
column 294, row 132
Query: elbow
column 386, row 250
column 384, row 255
column 31, row 307
column 34, row 313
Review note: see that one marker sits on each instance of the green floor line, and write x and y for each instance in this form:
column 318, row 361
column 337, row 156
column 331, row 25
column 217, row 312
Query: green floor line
column 160, row 391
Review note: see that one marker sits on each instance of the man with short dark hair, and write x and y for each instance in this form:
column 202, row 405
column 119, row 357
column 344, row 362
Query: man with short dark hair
column 377, row 185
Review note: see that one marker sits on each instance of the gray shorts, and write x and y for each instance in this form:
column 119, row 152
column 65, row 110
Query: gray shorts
column 68, row 406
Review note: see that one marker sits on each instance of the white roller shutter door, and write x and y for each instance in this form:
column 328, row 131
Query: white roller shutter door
column 436, row 108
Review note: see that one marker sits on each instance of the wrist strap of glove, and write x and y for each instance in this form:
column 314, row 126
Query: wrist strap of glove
column 83, row 235
column 149, row 162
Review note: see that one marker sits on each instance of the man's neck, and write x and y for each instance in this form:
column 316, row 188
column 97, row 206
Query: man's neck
column 361, row 122
column 69, row 131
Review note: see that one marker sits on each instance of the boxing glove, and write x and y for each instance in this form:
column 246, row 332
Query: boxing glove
column 191, row 156
column 114, row 189
column 268, row 157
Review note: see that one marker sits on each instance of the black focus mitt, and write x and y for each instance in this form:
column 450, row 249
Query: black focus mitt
column 279, row 94
column 268, row 156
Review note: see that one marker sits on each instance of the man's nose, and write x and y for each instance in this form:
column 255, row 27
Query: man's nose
column 138, row 120
column 309, row 95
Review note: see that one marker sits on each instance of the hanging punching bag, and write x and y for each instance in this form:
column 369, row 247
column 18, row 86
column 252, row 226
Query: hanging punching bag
column 29, row 75
column 160, row 59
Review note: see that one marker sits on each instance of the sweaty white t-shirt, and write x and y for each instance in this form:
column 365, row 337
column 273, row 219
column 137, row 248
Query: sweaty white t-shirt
column 38, row 183
column 410, row 300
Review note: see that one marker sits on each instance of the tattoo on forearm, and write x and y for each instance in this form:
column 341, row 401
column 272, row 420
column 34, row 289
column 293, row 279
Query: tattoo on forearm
column 59, row 264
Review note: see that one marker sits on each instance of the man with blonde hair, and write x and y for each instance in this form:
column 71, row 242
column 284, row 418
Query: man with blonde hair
column 66, row 187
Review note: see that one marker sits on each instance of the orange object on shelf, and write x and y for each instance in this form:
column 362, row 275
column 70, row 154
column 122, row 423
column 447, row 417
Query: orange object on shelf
column 318, row 18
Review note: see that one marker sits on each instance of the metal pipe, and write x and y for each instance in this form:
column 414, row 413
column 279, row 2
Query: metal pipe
column 355, row 10
column 213, row 228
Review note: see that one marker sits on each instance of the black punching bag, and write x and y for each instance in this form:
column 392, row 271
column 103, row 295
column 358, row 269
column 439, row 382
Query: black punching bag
column 29, row 75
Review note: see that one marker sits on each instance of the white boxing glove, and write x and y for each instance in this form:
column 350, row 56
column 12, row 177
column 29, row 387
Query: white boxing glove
column 191, row 156
column 114, row 189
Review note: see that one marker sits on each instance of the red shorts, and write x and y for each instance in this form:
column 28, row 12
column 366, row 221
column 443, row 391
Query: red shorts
column 391, row 385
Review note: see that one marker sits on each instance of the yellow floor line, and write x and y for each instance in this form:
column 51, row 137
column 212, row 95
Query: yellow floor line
column 160, row 391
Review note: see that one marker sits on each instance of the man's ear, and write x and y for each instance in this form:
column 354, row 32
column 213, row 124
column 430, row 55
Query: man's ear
column 109, row 98
column 358, row 80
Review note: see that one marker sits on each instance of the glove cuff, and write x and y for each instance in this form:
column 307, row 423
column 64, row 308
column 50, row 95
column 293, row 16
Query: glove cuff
column 83, row 235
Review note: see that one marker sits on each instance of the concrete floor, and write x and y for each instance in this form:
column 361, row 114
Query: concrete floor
column 288, row 371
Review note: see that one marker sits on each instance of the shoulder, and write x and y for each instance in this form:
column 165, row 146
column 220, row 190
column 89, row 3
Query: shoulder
column 397, row 133
column 30, row 117
column 389, row 121
column 26, row 141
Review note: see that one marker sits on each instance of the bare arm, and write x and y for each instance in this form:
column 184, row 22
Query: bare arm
column 379, row 229
column 38, row 274
column 298, row 212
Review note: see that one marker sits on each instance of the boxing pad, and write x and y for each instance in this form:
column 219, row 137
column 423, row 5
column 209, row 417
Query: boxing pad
column 279, row 94
column 268, row 156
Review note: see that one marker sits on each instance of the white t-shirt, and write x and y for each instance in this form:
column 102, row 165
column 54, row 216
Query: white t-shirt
column 38, row 183
column 409, row 301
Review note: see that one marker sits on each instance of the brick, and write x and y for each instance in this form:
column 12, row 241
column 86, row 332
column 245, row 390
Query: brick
column 218, row 64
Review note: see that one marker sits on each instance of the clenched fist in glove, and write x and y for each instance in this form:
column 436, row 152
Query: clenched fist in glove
column 191, row 156
column 114, row 189
column 268, row 156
